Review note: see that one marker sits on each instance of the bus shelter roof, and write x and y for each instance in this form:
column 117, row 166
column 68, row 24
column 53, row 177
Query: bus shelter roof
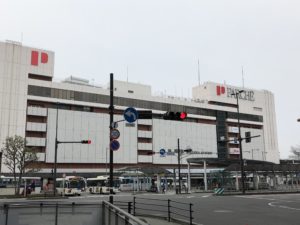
column 144, row 170
column 270, row 168
column 225, row 162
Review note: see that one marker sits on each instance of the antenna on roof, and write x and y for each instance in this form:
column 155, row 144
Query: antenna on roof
column 243, row 80
column 198, row 73
column 127, row 73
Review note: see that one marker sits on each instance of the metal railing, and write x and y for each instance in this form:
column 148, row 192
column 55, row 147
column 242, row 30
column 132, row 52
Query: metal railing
column 53, row 213
column 165, row 209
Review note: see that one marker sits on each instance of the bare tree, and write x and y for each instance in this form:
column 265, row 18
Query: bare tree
column 18, row 158
column 296, row 152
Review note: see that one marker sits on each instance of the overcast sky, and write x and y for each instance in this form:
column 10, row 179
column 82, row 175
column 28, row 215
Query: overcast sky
column 160, row 42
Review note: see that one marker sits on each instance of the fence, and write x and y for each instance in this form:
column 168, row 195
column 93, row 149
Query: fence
column 167, row 209
column 65, row 213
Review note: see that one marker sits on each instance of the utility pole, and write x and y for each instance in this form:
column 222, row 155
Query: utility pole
column 240, row 140
column 111, row 153
column 179, row 177
column 55, row 153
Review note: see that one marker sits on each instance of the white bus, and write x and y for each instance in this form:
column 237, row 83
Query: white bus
column 100, row 185
column 70, row 185
column 135, row 183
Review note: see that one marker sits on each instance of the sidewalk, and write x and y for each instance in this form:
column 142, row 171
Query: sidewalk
column 157, row 221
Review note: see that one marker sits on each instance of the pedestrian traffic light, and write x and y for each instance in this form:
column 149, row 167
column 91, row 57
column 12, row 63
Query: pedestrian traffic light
column 175, row 116
column 86, row 142
column 248, row 136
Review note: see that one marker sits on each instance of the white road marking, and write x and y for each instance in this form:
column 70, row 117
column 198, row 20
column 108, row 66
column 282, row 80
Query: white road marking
column 261, row 198
column 273, row 204
column 256, row 197
column 96, row 196
column 223, row 211
column 205, row 196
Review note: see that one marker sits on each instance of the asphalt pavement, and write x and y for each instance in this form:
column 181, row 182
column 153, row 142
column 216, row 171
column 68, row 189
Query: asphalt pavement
column 275, row 209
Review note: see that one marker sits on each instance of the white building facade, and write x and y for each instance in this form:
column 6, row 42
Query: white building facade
column 30, row 104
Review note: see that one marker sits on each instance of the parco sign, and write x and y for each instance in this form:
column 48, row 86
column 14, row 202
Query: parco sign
column 246, row 95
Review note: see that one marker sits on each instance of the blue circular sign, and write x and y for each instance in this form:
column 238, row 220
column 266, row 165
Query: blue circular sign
column 162, row 152
column 114, row 145
column 130, row 115
column 114, row 134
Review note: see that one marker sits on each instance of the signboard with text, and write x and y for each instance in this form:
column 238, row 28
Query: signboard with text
column 234, row 151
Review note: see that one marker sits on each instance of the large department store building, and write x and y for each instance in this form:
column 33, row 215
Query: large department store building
column 29, row 99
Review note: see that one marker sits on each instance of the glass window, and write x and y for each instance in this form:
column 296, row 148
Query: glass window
column 91, row 97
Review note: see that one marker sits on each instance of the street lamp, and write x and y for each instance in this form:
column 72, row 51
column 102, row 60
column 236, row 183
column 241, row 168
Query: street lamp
column 55, row 150
column 179, row 164
column 236, row 94
column 111, row 152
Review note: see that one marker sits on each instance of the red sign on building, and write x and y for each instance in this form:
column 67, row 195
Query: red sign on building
column 35, row 58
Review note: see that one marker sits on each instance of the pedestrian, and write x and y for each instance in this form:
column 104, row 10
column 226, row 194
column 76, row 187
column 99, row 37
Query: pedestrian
column 32, row 185
column 163, row 188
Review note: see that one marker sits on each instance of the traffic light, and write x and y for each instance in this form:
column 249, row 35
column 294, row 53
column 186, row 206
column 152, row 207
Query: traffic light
column 248, row 136
column 175, row 116
column 86, row 142
column 144, row 114
column 150, row 153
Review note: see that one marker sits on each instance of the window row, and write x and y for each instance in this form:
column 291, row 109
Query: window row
column 104, row 99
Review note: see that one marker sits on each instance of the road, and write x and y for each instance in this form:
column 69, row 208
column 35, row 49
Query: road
column 279, row 209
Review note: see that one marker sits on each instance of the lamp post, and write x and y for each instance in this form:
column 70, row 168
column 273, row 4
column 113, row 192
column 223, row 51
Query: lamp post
column 179, row 164
column 178, row 157
column 111, row 153
column 236, row 94
column 55, row 150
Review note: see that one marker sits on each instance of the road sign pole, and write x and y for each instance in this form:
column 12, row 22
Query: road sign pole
column 111, row 152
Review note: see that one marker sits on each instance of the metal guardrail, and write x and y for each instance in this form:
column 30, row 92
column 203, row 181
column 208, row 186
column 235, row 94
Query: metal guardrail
column 53, row 213
column 167, row 209
column 120, row 216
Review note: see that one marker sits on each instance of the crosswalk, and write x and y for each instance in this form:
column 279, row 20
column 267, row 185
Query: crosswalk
column 184, row 196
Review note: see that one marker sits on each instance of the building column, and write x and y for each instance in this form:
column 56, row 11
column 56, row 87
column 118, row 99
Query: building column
column 174, row 182
column 255, row 181
column 158, row 183
column 237, row 181
column 189, row 178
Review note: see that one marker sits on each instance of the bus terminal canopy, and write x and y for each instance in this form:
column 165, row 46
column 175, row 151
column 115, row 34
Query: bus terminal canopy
column 211, row 161
column 146, row 170
column 231, row 163
column 272, row 168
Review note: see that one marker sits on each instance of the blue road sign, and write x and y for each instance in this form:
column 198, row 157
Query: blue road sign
column 162, row 152
column 114, row 145
column 130, row 115
column 114, row 134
